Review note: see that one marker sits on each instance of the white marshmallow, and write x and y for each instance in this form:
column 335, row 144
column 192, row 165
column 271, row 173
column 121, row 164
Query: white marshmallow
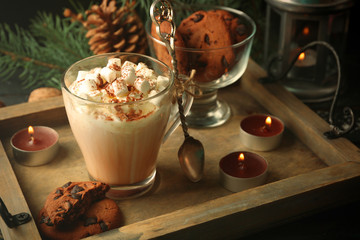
column 162, row 82
column 143, row 71
column 114, row 61
column 142, row 85
column 115, row 64
column 96, row 71
column 141, row 65
column 93, row 77
column 86, row 86
column 81, row 75
column 135, row 82
column 128, row 74
column 120, row 88
column 128, row 63
column 108, row 74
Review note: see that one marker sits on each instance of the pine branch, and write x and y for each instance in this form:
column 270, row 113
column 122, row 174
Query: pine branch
column 15, row 57
column 64, row 41
column 41, row 54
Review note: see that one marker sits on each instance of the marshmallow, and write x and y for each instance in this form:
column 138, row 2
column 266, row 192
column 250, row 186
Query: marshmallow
column 86, row 86
column 96, row 71
column 108, row 74
column 162, row 82
column 142, row 85
column 143, row 71
column 141, row 65
column 81, row 75
column 128, row 63
column 113, row 63
column 127, row 82
column 128, row 74
column 93, row 77
column 120, row 88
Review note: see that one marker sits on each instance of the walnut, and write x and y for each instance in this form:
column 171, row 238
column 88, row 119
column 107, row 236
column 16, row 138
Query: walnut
column 43, row 93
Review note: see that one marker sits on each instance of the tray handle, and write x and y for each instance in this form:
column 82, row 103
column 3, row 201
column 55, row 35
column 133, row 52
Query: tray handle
column 13, row 220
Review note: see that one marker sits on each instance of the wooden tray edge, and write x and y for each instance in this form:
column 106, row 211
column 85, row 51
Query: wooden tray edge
column 21, row 109
column 15, row 202
column 299, row 118
column 241, row 213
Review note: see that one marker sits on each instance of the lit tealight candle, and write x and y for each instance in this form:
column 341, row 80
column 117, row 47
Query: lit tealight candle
column 242, row 170
column 305, row 64
column 31, row 135
column 306, row 59
column 34, row 146
column 261, row 132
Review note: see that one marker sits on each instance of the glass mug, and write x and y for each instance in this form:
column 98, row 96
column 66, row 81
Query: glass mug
column 122, row 153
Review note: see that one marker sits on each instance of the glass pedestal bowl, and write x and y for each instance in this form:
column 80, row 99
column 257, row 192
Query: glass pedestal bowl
column 215, row 67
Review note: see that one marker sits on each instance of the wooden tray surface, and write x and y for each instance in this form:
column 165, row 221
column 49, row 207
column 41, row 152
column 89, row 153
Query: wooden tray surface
column 306, row 167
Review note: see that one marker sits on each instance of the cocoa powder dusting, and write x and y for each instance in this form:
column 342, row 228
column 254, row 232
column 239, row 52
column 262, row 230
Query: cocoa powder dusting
column 130, row 115
column 115, row 67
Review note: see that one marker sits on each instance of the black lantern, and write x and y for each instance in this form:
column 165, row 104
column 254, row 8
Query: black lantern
column 291, row 24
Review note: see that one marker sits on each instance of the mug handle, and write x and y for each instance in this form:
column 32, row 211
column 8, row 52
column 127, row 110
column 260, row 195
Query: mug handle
column 187, row 103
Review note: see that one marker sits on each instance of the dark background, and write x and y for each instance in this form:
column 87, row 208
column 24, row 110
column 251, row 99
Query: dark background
column 20, row 12
column 339, row 222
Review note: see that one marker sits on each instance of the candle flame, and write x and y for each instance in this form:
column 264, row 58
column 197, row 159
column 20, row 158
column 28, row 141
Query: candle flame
column 268, row 121
column 30, row 130
column 301, row 56
column 241, row 157
column 306, row 30
column 31, row 133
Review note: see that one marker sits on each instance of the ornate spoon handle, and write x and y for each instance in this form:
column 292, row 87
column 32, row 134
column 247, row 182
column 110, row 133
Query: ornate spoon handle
column 191, row 152
column 162, row 11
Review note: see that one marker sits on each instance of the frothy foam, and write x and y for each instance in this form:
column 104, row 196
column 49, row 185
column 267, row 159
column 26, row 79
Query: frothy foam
column 119, row 142
column 116, row 83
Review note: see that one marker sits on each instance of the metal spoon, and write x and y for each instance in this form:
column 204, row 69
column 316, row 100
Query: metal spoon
column 191, row 156
column 191, row 153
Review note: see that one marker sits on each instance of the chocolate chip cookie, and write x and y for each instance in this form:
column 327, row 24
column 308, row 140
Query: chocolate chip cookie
column 161, row 51
column 235, row 26
column 210, row 32
column 101, row 216
column 65, row 204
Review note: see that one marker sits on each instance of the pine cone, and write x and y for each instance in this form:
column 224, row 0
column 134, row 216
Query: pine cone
column 111, row 29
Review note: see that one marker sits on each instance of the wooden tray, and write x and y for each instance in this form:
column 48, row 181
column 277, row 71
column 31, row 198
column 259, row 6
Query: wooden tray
column 306, row 173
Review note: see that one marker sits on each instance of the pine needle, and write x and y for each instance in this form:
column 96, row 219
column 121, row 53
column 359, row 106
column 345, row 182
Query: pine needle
column 43, row 52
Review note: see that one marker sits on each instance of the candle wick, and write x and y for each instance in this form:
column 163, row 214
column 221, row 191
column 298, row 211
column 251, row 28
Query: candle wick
column 32, row 139
column 241, row 165
column 265, row 128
